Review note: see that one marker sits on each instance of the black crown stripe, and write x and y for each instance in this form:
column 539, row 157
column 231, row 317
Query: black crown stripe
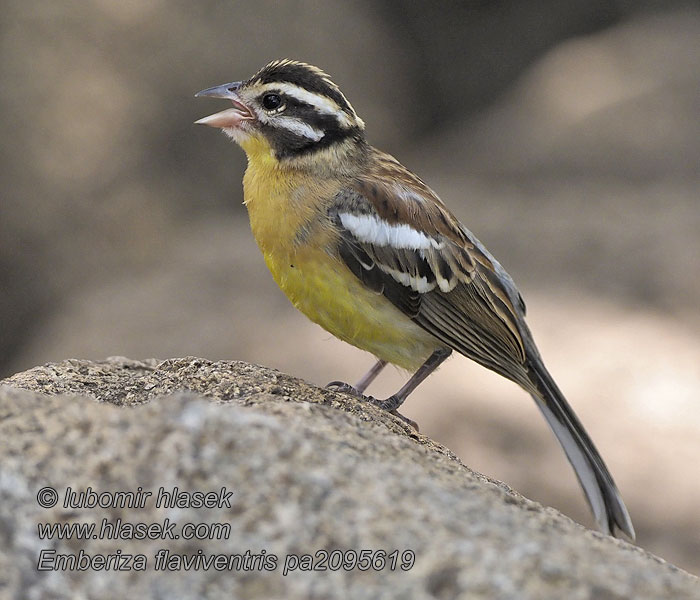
column 303, row 76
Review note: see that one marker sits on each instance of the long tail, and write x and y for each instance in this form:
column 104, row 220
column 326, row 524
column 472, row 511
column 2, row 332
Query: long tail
column 595, row 479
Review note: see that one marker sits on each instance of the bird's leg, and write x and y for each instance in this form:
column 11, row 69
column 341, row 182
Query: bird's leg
column 370, row 376
column 359, row 388
column 392, row 403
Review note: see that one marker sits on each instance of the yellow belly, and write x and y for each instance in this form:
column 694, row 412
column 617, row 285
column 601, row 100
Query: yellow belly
column 329, row 294
column 315, row 280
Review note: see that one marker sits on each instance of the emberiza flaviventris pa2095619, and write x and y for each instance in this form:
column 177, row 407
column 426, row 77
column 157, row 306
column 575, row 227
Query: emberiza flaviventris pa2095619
column 364, row 248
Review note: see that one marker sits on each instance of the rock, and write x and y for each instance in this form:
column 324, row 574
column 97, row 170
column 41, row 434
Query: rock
column 287, row 470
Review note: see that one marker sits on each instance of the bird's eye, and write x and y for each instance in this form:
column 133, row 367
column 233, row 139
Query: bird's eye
column 271, row 101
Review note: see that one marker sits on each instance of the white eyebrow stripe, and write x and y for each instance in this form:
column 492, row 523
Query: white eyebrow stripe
column 321, row 103
column 373, row 230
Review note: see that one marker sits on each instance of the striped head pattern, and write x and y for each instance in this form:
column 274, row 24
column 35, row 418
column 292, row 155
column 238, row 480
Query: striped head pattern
column 294, row 106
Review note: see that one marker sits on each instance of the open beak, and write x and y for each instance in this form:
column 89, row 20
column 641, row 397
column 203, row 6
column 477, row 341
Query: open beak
column 231, row 117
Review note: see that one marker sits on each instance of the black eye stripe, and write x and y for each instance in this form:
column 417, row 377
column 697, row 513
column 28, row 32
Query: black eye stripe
column 295, row 103
column 288, row 101
column 311, row 105
column 302, row 76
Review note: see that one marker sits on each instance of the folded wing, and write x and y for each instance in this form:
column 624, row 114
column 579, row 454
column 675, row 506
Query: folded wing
column 400, row 240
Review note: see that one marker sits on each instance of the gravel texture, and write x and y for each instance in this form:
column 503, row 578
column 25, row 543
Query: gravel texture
column 309, row 469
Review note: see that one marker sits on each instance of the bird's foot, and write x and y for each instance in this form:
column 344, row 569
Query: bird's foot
column 390, row 405
column 345, row 388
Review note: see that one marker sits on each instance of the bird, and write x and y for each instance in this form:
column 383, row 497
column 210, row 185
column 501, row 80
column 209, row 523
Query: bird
column 365, row 249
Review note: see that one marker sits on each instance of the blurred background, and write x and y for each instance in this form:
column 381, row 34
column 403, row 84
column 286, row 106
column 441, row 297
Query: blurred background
column 565, row 134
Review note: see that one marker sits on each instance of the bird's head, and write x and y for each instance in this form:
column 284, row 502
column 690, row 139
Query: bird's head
column 289, row 110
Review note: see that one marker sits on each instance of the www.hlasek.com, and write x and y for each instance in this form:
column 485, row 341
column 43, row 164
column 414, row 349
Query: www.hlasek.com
column 167, row 560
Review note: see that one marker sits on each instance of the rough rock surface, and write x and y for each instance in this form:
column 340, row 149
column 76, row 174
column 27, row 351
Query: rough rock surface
column 310, row 469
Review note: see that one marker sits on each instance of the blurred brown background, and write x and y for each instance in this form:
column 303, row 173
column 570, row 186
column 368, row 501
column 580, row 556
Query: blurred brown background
column 565, row 134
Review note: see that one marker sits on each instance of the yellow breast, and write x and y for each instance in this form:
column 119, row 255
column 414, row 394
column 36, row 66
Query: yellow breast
column 287, row 216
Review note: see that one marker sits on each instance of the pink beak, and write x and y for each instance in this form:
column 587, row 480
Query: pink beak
column 231, row 117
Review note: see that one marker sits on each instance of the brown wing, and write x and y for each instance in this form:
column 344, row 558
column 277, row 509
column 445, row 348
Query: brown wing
column 401, row 241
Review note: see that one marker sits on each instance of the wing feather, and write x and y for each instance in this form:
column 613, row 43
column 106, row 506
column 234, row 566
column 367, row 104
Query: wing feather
column 398, row 238
column 443, row 278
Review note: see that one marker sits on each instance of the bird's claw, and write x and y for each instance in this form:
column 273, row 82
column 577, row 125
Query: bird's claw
column 409, row 422
column 389, row 405
column 346, row 388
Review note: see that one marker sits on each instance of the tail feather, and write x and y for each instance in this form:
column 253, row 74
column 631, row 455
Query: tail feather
column 595, row 479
